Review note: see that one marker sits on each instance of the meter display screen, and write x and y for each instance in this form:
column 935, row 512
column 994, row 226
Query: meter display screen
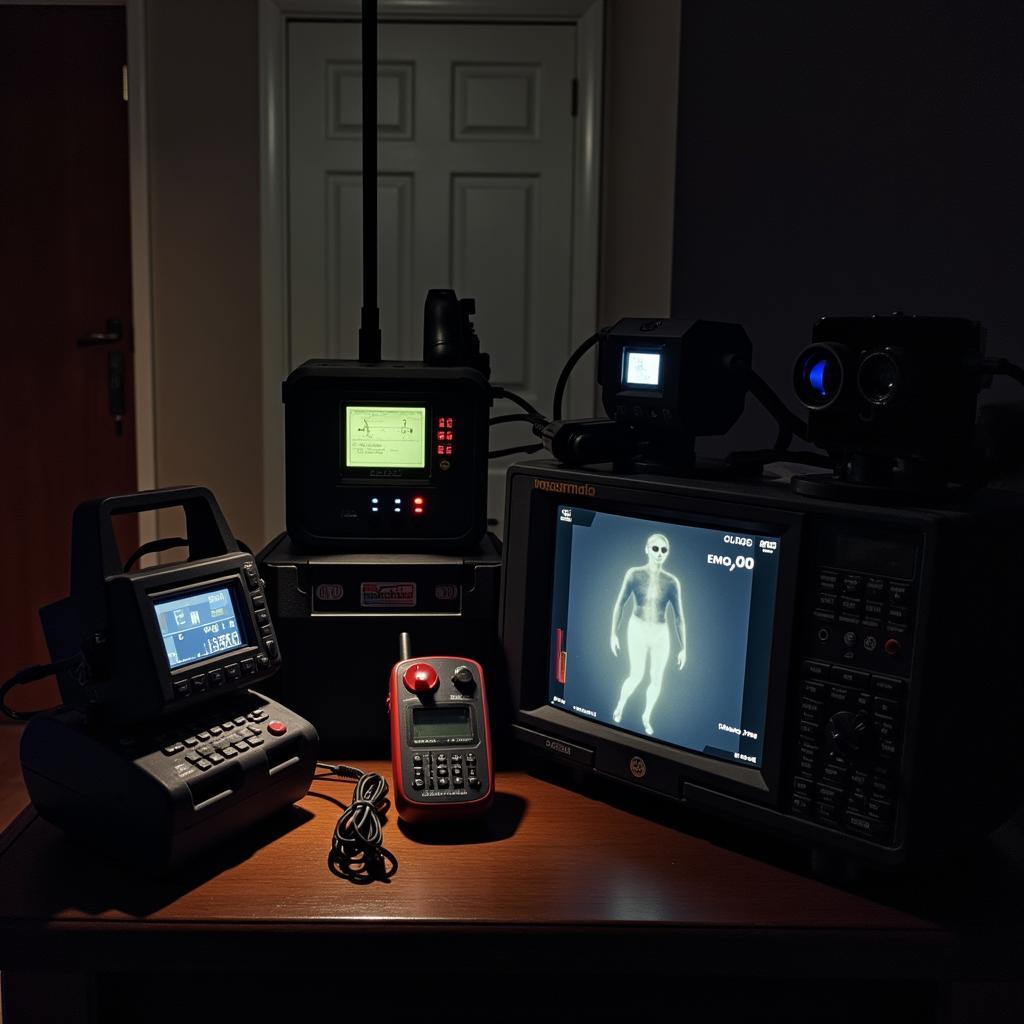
column 385, row 437
column 441, row 723
column 641, row 369
column 198, row 626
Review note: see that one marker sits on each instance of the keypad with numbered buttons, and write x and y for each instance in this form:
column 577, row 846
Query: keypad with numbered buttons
column 204, row 744
column 846, row 748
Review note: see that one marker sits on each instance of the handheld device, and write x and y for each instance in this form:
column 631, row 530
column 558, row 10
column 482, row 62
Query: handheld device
column 145, row 643
column 440, row 738
column 809, row 667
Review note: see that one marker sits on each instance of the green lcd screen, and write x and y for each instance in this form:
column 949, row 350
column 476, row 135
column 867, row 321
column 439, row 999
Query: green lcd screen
column 385, row 437
column 441, row 723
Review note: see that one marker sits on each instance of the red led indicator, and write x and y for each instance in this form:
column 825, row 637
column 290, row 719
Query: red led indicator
column 440, row 435
column 417, row 501
column 449, row 423
column 440, row 449
column 447, row 449
column 418, row 511
column 449, row 436
column 440, row 422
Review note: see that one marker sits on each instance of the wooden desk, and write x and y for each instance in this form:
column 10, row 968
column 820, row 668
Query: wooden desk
column 557, row 893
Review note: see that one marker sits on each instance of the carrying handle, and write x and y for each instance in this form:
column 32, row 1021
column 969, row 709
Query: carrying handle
column 94, row 552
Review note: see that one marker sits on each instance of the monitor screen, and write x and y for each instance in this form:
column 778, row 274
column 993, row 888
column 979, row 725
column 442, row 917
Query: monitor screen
column 198, row 626
column 385, row 437
column 664, row 629
column 641, row 368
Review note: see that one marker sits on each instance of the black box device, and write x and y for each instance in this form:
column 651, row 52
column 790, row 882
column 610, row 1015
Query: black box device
column 844, row 675
column 386, row 456
column 157, row 640
column 161, row 749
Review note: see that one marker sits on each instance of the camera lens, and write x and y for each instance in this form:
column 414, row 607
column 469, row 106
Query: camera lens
column 879, row 377
column 818, row 376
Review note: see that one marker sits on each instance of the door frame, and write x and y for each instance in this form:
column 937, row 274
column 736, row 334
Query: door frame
column 141, row 251
column 588, row 18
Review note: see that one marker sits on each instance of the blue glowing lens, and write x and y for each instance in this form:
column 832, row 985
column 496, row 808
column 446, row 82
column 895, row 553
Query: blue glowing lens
column 816, row 376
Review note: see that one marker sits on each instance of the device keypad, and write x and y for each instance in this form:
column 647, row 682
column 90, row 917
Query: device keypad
column 847, row 746
column 210, row 744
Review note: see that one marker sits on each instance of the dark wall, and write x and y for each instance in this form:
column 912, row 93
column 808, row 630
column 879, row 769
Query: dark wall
column 848, row 157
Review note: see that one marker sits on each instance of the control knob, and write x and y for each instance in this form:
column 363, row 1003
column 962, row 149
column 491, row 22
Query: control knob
column 849, row 730
column 463, row 679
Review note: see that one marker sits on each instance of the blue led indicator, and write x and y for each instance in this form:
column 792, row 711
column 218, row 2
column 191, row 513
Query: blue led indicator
column 816, row 375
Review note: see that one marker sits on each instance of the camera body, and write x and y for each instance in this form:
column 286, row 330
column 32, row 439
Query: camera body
column 893, row 387
column 674, row 376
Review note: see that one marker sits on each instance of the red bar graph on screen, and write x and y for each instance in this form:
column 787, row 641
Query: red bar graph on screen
column 560, row 656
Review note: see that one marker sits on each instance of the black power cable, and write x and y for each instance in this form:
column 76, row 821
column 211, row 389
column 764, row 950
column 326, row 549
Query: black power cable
column 32, row 675
column 563, row 377
column 357, row 852
column 789, row 423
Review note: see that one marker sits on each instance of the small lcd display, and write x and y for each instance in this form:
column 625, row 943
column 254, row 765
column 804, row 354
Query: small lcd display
column 198, row 626
column 385, row 437
column 641, row 369
column 441, row 723
column 664, row 629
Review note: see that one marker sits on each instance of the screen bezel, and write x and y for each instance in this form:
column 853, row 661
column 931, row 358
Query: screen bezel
column 358, row 470
column 376, row 475
column 529, row 581
column 626, row 385
column 243, row 615
column 157, row 603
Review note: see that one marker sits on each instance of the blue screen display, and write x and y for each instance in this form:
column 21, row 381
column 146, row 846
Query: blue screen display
column 664, row 630
column 199, row 625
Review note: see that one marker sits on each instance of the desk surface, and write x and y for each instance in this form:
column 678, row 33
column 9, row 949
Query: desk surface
column 548, row 862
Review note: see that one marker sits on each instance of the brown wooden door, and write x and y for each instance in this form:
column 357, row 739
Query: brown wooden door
column 65, row 271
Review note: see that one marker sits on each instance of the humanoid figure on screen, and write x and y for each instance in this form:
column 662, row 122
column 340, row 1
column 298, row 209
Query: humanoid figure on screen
column 653, row 591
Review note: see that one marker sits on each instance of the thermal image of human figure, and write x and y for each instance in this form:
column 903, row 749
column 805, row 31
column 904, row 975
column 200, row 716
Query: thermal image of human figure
column 653, row 591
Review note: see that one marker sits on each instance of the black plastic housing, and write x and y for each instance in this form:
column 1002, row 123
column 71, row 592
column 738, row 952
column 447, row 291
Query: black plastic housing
column 925, row 415
column 109, row 617
column 330, row 506
column 703, row 379
column 907, row 616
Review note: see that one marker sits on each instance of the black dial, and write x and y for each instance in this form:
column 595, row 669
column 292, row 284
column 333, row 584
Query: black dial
column 849, row 730
column 463, row 679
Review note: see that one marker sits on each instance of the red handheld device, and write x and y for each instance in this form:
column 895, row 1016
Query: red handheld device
column 440, row 738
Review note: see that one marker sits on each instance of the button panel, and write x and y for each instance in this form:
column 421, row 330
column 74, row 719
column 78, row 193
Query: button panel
column 205, row 744
column 849, row 704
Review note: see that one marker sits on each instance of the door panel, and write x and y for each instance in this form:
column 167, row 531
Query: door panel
column 474, row 192
column 65, row 272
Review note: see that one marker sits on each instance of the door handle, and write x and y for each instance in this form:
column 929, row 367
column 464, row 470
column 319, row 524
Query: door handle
column 113, row 333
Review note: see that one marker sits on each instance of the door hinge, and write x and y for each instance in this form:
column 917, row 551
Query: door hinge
column 575, row 97
column 124, row 82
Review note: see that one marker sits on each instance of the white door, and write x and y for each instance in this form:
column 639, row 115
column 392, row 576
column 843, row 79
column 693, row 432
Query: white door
column 475, row 192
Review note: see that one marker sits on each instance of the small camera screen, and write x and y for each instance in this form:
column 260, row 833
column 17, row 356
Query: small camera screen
column 641, row 368
column 385, row 437
column 664, row 630
column 441, row 723
column 199, row 625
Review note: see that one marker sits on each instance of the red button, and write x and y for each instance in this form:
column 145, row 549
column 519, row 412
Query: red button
column 420, row 678
column 892, row 646
column 276, row 728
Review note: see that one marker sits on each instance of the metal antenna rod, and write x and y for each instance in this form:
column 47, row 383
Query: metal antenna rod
column 369, row 328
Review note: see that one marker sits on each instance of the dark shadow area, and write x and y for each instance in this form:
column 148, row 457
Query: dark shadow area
column 67, row 872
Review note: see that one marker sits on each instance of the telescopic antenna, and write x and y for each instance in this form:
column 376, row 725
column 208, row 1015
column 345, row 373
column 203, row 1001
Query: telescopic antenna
column 369, row 328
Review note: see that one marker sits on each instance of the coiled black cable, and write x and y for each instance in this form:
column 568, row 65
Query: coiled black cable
column 357, row 852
